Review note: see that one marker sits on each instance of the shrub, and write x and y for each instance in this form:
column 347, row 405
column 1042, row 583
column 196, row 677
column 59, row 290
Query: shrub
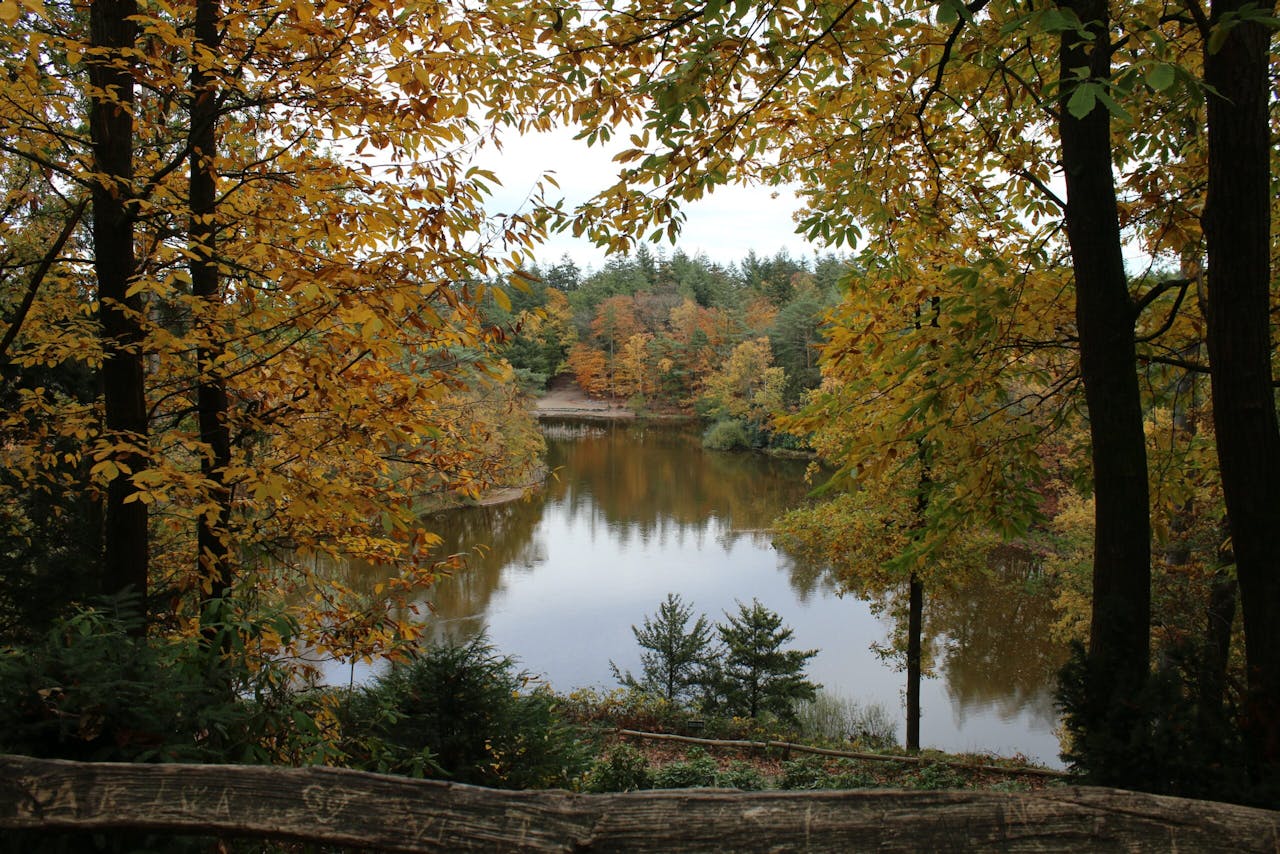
column 740, row 775
column 935, row 775
column 728, row 435
column 1164, row 741
column 811, row 772
column 530, row 381
column 625, row 708
column 462, row 712
column 91, row 690
column 839, row 719
column 698, row 770
column 622, row 769
column 807, row 772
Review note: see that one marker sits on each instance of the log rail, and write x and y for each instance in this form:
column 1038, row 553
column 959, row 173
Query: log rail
column 353, row 808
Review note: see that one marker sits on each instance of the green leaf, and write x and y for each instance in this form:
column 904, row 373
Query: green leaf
column 1219, row 35
column 1016, row 23
column 1083, row 100
column 1113, row 106
column 1161, row 76
column 1058, row 21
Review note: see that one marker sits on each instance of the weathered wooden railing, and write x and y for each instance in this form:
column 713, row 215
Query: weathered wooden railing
column 374, row 811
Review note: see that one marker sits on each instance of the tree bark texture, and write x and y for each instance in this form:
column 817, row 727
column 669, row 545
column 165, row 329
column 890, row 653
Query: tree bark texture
column 1237, row 226
column 1119, row 636
column 915, row 628
column 124, row 400
column 213, row 550
column 397, row 814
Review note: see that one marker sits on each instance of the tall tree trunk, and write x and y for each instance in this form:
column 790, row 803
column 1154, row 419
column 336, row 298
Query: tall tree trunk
column 211, row 394
column 1237, row 226
column 1119, row 634
column 1220, row 615
column 915, row 586
column 915, row 612
column 112, row 34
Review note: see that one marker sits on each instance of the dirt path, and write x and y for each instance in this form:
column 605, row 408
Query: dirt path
column 565, row 399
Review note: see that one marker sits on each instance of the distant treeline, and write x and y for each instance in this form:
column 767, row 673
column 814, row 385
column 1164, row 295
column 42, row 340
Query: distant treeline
column 732, row 343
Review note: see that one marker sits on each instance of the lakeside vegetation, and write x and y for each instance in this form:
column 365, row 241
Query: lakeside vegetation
column 467, row 713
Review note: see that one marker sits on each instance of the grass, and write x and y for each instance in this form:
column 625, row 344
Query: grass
column 650, row 764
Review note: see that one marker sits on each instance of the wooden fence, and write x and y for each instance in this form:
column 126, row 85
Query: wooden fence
column 353, row 808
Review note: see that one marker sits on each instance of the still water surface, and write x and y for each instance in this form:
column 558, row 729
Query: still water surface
column 637, row 510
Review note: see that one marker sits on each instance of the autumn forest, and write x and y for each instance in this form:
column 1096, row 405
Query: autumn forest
column 259, row 316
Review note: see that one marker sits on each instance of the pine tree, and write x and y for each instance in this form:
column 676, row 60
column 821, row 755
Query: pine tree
column 757, row 675
column 676, row 658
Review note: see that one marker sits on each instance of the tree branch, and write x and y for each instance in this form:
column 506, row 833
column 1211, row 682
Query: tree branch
column 974, row 8
column 38, row 275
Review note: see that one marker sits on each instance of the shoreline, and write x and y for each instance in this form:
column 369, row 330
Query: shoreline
column 564, row 399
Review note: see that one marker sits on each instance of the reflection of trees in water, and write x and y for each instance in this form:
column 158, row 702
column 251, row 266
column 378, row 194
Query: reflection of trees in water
column 493, row 539
column 640, row 482
column 456, row 631
column 654, row 481
column 997, row 652
column 807, row 576
column 991, row 632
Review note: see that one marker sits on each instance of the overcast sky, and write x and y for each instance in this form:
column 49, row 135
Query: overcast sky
column 724, row 225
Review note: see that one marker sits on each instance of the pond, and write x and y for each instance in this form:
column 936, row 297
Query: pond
column 635, row 510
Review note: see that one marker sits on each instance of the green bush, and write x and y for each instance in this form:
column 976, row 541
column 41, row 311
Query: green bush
column 462, row 712
column 740, row 775
column 698, row 770
column 622, row 769
column 1167, row 740
column 531, row 382
column 812, row 772
column 728, row 435
column 93, row 691
column 807, row 772
column 935, row 775
column 625, row 708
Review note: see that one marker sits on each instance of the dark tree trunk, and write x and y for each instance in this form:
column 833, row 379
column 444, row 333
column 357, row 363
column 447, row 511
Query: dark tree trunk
column 915, row 611
column 1237, row 226
column 211, row 394
column 1119, row 635
column 1220, row 615
column 124, row 400
column 915, row 586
